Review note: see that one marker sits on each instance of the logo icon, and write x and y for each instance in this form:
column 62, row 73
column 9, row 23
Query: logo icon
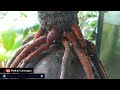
column 7, row 70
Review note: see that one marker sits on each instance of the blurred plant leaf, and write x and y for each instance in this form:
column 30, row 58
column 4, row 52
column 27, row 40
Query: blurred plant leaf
column 19, row 24
column 17, row 44
column 1, row 44
column 35, row 27
column 8, row 39
column 25, row 32
column 92, row 19
column 88, row 22
column 2, row 54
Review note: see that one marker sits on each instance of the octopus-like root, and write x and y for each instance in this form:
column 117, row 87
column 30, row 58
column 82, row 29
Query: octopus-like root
column 28, row 39
column 33, row 36
column 25, row 43
column 93, row 55
column 76, row 29
column 42, row 42
column 85, row 60
column 28, row 53
column 15, row 55
column 65, row 60
column 52, row 35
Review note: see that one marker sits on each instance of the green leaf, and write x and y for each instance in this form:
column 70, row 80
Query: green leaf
column 0, row 41
column 17, row 43
column 35, row 27
column 2, row 54
column 25, row 32
column 9, row 54
column 90, row 20
column 94, row 41
column 8, row 39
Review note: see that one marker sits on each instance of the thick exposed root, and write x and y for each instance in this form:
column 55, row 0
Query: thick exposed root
column 38, row 34
column 30, row 37
column 76, row 29
column 93, row 54
column 81, row 55
column 19, row 64
column 27, row 50
column 52, row 35
column 15, row 55
column 103, row 71
column 65, row 60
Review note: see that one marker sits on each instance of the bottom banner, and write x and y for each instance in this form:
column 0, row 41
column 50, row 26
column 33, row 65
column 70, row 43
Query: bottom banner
column 22, row 76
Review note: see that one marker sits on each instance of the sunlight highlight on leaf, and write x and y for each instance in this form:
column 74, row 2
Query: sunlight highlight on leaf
column 2, row 54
